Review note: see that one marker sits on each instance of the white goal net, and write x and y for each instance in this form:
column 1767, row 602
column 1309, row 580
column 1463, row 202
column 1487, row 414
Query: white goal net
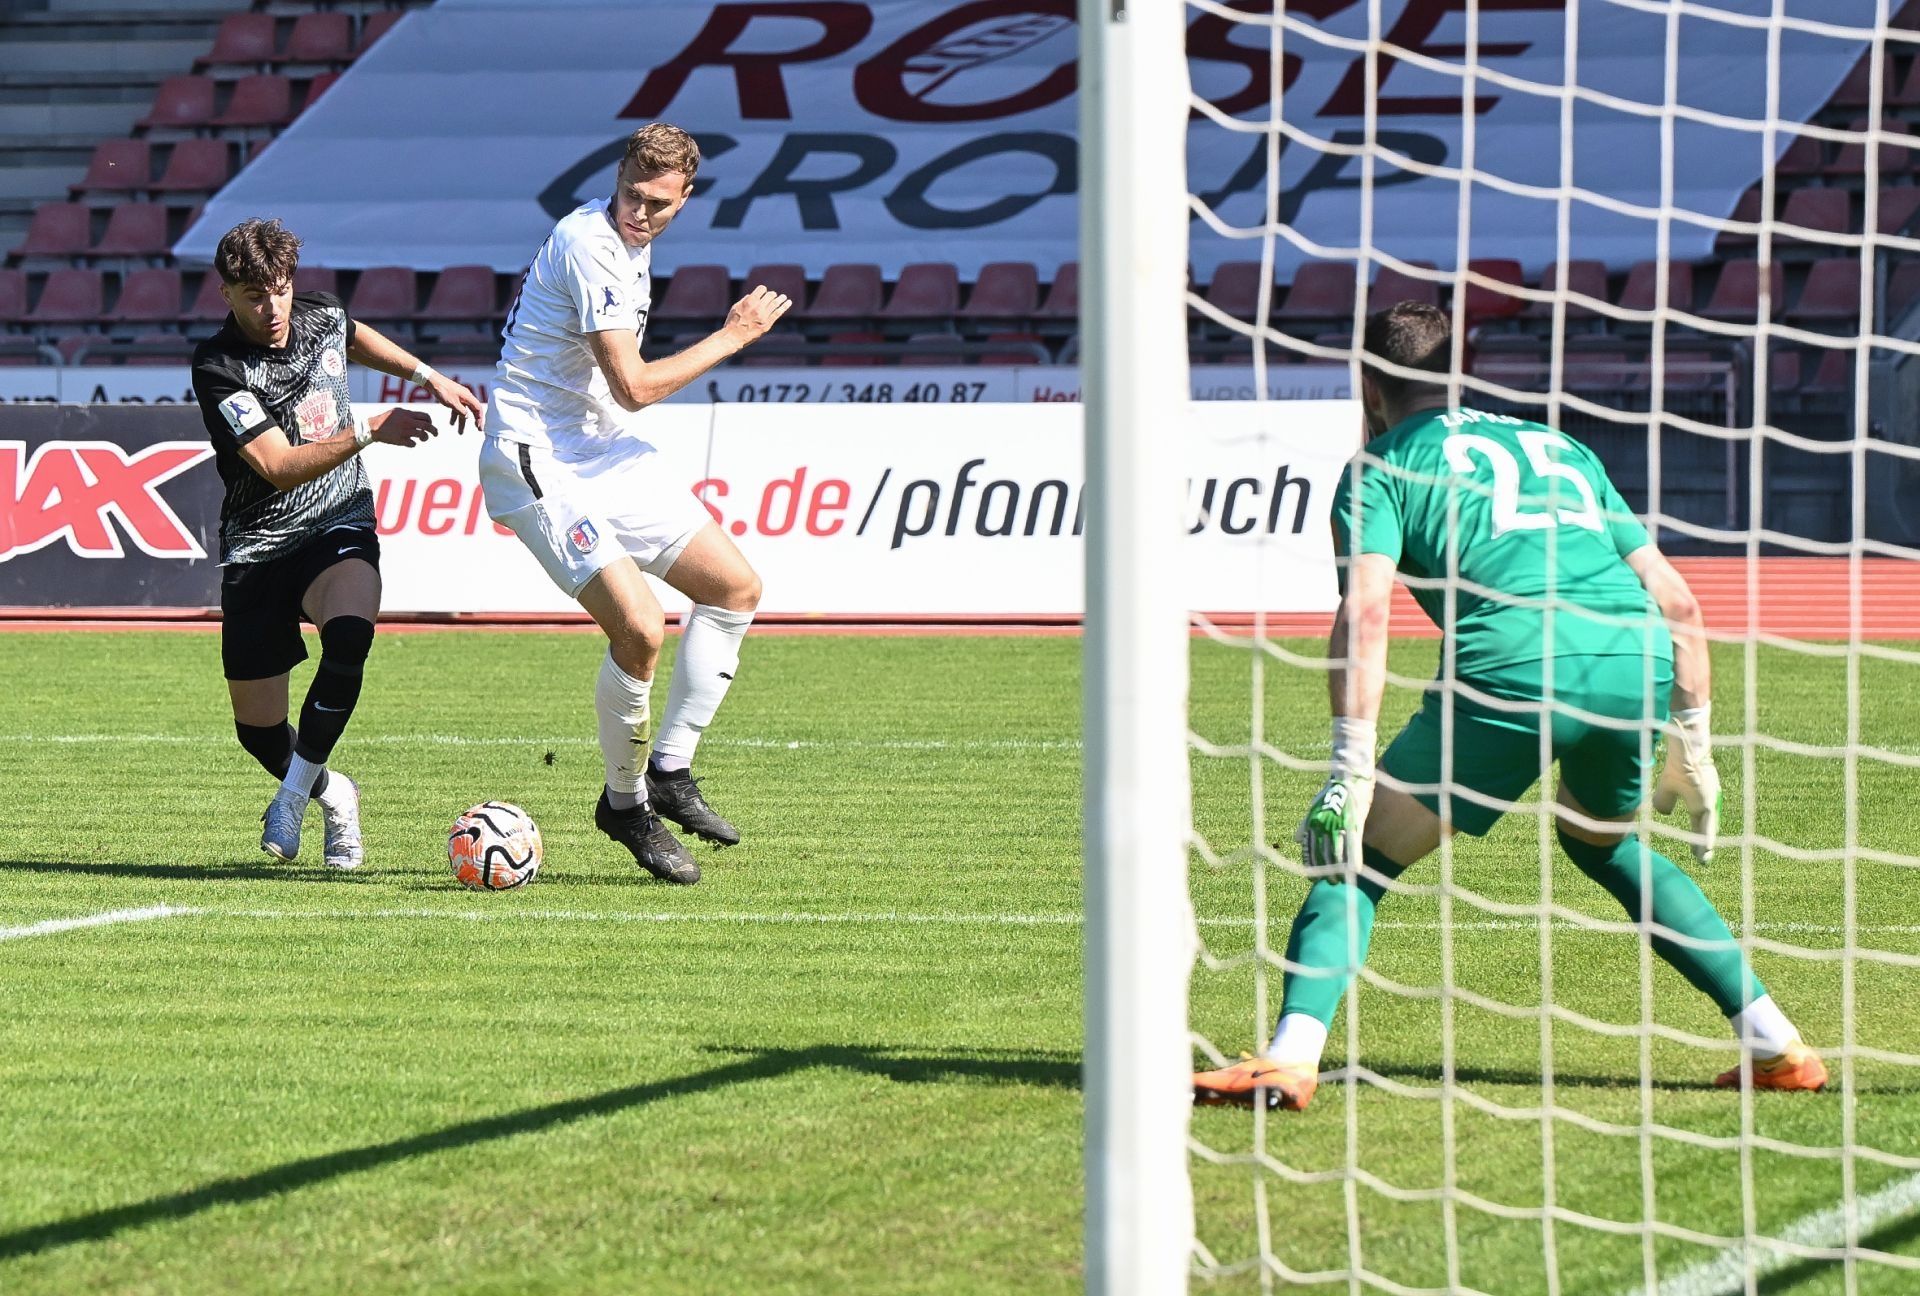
column 1685, row 233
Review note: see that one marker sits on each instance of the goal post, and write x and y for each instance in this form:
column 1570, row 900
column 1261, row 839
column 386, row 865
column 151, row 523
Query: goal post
column 1139, row 933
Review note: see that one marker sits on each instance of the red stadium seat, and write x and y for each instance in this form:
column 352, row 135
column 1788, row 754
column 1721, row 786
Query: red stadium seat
column 1484, row 303
column 57, row 230
column 265, row 99
column 135, row 230
column 1322, row 291
column 1804, row 156
column 384, row 293
column 934, row 349
column 317, row 87
column 1391, row 286
column 118, row 166
column 148, row 297
column 70, row 297
column 13, row 296
column 320, row 37
column 243, row 38
column 1908, row 94
column 1831, row 294
column 208, row 307
column 316, row 279
column 1895, row 159
column 1235, row 290
column 1834, row 373
column 1022, row 349
column 196, row 166
column 1826, row 211
column 1896, row 210
column 1783, row 371
column 855, row 359
column 782, row 278
column 1642, row 287
column 846, row 292
column 1588, row 278
column 1737, row 294
column 181, row 103
column 1749, row 211
column 376, row 26
column 926, row 290
column 1903, row 289
column 1062, row 301
column 463, row 292
column 1004, row 290
column 695, row 292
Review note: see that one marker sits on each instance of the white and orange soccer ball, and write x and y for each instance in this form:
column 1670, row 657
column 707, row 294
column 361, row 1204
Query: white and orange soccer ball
column 494, row 847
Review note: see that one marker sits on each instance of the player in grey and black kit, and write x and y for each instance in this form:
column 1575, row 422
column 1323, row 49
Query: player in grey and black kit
column 297, row 525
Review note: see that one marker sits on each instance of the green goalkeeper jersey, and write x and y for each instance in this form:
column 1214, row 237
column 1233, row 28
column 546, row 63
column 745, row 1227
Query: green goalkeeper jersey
column 1517, row 523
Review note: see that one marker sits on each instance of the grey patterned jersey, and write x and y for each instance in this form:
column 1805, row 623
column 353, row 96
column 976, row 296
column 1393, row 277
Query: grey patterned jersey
column 301, row 388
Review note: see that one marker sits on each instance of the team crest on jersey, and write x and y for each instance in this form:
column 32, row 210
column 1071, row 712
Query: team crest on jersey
column 333, row 362
column 318, row 416
column 583, row 536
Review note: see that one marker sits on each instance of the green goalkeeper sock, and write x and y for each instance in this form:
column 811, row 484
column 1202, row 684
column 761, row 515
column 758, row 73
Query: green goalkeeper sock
column 1719, row 970
column 1329, row 940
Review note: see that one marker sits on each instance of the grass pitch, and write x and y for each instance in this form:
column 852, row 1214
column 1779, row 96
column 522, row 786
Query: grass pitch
column 848, row 1060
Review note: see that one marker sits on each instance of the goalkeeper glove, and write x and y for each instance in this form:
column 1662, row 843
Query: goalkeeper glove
column 1688, row 777
column 1329, row 837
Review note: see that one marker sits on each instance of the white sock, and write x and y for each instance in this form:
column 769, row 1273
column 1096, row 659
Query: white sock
column 1298, row 1038
column 626, row 722
column 1764, row 1027
column 302, row 774
column 709, row 656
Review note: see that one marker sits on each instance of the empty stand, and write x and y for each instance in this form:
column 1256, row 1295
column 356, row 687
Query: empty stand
column 1737, row 294
column 1062, row 302
column 197, row 166
column 308, row 279
column 1896, row 209
column 1831, row 294
column 1587, row 278
column 1004, row 290
column 1235, row 290
column 70, row 297
column 244, row 40
column 1321, row 296
column 787, row 279
column 135, row 230
column 58, row 230
column 926, row 290
column 1489, row 303
column 117, row 166
column 13, row 296
column 377, row 25
column 320, row 37
column 1895, row 158
column 264, row 100
column 208, row 306
column 1391, row 286
column 1641, row 291
column 846, row 292
column 317, row 87
column 183, row 103
column 1823, row 211
column 851, row 356
column 695, row 292
column 150, row 296
column 929, row 349
column 384, row 294
column 465, row 293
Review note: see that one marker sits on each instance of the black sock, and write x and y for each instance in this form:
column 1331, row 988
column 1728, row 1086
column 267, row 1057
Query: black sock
column 344, row 644
column 272, row 746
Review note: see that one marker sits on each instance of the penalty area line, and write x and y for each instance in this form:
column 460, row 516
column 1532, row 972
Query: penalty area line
column 108, row 919
column 1726, row 1274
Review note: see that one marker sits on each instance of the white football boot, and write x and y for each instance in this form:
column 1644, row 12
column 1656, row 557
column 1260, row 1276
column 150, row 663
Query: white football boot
column 340, row 810
column 281, row 835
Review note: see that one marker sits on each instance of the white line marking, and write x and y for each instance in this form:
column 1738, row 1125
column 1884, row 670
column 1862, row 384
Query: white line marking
column 462, row 740
column 106, row 919
column 1727, row 1272
column 575, row 915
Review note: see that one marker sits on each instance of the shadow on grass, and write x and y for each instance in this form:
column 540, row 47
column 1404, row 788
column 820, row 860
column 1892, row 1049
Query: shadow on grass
column 1431, row 1073
column 1888, row 1237
column 910, row 1068
column 180, row 872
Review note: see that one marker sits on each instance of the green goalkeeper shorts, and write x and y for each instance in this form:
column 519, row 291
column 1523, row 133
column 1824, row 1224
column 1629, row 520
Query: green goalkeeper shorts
column 1497, row 749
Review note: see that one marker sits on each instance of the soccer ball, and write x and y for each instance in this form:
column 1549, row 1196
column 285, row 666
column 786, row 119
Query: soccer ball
column 494, row 847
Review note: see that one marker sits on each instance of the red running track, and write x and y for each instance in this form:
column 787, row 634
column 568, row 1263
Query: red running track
column 1799, row 598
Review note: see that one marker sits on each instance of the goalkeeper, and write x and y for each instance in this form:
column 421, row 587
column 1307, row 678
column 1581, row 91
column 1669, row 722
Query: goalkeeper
column 1509, row 533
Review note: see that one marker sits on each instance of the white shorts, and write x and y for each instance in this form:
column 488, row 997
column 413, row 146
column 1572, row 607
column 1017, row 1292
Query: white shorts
column 577, row 518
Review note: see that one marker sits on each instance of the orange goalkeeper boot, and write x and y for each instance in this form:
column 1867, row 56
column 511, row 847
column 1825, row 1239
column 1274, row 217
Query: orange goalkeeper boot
column 1282, row 1086
column 1798, row 1068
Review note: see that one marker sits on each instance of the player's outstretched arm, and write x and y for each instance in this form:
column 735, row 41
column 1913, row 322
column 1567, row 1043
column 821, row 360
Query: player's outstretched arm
column 1688, row 777
column 1329, row 836
column 286, row 465
column 376, row 350
column 636, row 383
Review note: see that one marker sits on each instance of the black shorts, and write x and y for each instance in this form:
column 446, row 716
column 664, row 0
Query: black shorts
column 260, row 637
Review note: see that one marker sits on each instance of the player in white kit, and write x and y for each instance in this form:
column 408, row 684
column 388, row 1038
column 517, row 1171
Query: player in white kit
column 564, row 465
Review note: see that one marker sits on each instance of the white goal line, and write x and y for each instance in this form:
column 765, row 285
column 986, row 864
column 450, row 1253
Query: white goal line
column 106, row 919
column 463, row 740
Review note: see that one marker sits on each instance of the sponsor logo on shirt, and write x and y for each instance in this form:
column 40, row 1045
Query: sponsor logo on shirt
column 243, row 411
column 583, row 536
column 333, row 362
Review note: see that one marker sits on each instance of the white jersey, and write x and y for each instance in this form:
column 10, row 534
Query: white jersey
column 547, row 390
